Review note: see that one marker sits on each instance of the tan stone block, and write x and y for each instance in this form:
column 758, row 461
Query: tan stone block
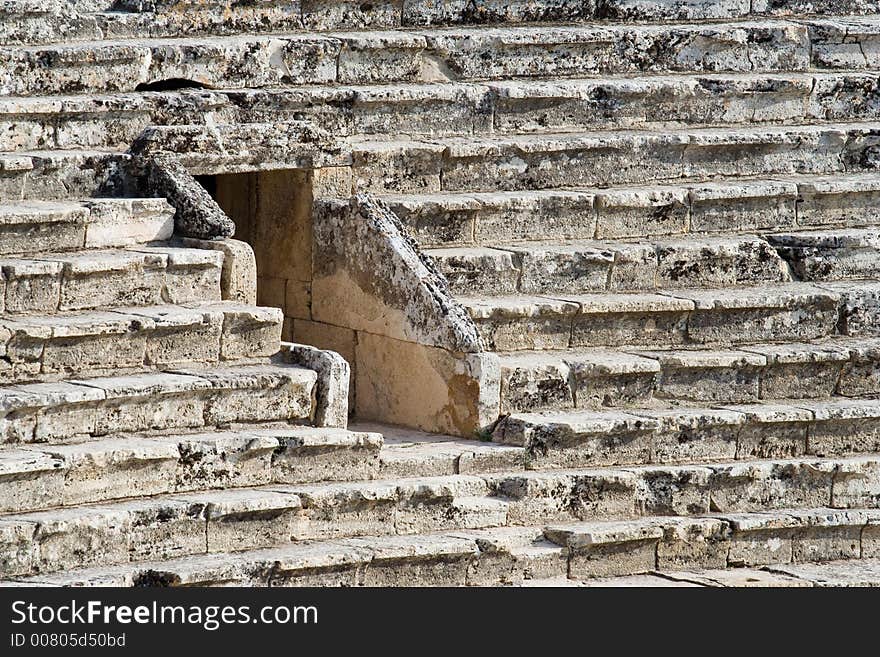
column 332, row 181
column 271, row 291
column 298, row 299
column 282, row 226
column 238, row 278
column 425, row 387
column 326, row 336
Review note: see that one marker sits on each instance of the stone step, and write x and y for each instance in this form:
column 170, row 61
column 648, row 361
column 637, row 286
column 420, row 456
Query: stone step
column 461, row 219
column 46, row 226
column 581, row 551
column 452, row 108
column 836, row 574
column 78, row 121
column 862, row 573
column 138, row 276
column 62, row 175
column 591, row 266
column 217, row 521
column 28, row 21
column 849, row 42
column 43, row 21
column 252, row 518
column 601, row 159
column 46, row 348
column 653, row 102
column 752, row 486
column 792, row 312
column 77, row 409
column 411, row 453
column 39, row 477
column 601, row 378
column 475, row 53
column 491, row 557
column 587, row 438
column 831, row 255
column 613, row 548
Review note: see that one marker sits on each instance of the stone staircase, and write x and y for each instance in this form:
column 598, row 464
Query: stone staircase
column 660, row 218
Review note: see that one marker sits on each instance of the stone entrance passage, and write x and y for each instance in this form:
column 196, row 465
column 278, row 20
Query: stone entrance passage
column 272, row 213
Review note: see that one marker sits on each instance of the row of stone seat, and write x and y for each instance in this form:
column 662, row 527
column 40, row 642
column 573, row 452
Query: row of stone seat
column 490, row 53
column 45, row 20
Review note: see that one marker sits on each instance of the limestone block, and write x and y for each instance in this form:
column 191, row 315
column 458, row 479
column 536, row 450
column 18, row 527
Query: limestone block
column 223, row 460
column 74, row 538
column 108, row 278
column 788, row 312
column 164, row 529
column 555, row 269
column 520, row 322
column 856, row 483
column 256, row 393
column 32, row 285
column 742, row 206
column 30, row 480
column 608, row 549
column 453, row 394
column 837, row 201
column 801, row 370
column 701, row 542
column 238, row 278
column 772, row 430
column 505, row 217
column 844, row 427
column 396, row 167
column 770, row 485
column 249, row 331
column 248, row 519
column 671, row 490
column 758, row 539
column 417, row 560
column 828, row 536
column 602, row 378
column 694, row 434
column 41, row 226
column 532, row 381
column 96, row 472
column 375, row 56
column 326, row 15
column 623, row 319
column 306, row 455
column 580, row 439
column 472, row 270
column 181, row 336
column 437, row 220
column 343, row 509
column 860, row 307
column 727, row 376
column 641, row 212
column 333, row 374
column 113, row 223
column 860, row 375
column 18, row 555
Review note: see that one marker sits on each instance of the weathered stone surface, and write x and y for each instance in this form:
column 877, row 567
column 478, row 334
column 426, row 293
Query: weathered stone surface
column 331, row 393
column 196, row 213
column 413, row 304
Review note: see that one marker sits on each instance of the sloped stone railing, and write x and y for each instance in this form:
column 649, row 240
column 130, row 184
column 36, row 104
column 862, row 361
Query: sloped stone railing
column 418, row 358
